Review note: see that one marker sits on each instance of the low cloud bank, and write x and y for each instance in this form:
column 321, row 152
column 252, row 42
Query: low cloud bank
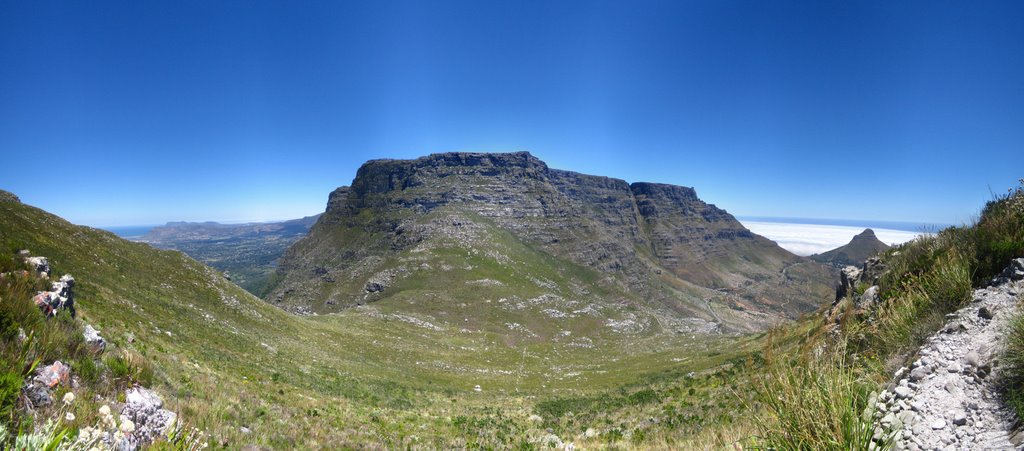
column 807, row 239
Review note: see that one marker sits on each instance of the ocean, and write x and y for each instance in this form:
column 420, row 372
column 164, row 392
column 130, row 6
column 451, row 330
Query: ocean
column 129, row 231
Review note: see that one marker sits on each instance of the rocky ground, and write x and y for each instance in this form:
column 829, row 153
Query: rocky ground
column 949, row 398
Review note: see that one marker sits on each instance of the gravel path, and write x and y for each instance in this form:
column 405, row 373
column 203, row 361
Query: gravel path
column 949, row 399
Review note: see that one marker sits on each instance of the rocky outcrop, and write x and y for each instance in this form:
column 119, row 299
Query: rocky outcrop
column 59, row 298
column 949, row 398
column 39, row 390
column 850, row 276
column 93, row 340
column 41, row 266
column 6, row 196
column 660, row 243
column 144, row 408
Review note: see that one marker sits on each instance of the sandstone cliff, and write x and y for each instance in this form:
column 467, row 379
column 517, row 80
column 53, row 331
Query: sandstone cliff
column 463, row 217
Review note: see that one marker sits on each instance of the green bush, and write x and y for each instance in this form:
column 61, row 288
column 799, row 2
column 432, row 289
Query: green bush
column 10, row 388
column 86, row 368
column 128, row 368
column 999, row 234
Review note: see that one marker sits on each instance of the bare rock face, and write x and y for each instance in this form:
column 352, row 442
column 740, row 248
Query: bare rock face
column 872, row 270
column 848, row 278
column 869, row 299
column 655, row 242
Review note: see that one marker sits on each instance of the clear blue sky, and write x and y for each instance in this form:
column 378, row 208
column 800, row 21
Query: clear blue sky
column 142, row 112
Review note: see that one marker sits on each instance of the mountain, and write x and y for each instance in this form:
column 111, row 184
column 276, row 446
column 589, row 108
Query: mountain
column 860, row 248
column 247, row 252
column 479, row 238
column 247, row 373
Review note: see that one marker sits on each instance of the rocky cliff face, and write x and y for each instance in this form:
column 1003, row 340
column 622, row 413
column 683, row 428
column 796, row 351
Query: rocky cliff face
column 652, row 246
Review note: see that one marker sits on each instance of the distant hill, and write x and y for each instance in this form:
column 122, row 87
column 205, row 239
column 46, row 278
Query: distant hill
column 860, row 248
column 523, row 243
column 247, row 252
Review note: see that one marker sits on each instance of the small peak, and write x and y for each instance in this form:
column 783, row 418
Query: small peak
column 6, row 196
column 867, row 233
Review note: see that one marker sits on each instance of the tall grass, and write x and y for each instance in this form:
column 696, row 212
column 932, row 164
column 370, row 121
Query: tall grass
column 917, row 305
column 1013, row 358
column 813, row 401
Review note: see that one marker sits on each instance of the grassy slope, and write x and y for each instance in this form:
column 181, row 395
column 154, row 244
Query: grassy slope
column 814, row 394
column 225, row 359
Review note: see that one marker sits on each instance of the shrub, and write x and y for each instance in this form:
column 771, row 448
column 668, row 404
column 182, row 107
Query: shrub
column 128, row 367
column 10, row 389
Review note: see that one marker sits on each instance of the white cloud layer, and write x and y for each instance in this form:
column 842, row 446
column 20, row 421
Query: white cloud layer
column 807, row 239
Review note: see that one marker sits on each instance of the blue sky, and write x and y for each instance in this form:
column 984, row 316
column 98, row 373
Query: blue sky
column 143, row 112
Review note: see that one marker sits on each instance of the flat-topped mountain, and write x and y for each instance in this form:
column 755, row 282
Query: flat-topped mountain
column 476, row 230
column 860, row 248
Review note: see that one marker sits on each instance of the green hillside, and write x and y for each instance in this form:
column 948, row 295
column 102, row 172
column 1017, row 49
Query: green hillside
column 394, row 373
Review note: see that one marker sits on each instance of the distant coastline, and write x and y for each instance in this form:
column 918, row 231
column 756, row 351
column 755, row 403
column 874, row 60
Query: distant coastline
column 803, row 237
column 129, row 232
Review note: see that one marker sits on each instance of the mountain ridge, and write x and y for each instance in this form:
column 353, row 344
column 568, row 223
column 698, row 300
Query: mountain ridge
column 656, row 244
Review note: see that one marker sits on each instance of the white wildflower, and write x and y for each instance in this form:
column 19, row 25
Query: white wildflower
column 105, row 410
column 88, row 434
column 69, row 417
column 69, row 398
column 108, row 422
column 126, row 425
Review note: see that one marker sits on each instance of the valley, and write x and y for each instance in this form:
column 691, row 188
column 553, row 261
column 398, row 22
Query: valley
column 398, row 372
column 248, row 253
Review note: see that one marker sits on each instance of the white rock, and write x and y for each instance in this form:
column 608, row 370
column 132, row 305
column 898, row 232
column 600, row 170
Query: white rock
column 903, row 392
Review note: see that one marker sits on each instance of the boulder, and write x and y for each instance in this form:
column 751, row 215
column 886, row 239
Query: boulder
column 380, row 281
column 40, row 264
column 39, row 390
column 93, row 339
column 144, row 408
column 1015, row 271
column 60, row 297
column 869, row 299
column 53, row 375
